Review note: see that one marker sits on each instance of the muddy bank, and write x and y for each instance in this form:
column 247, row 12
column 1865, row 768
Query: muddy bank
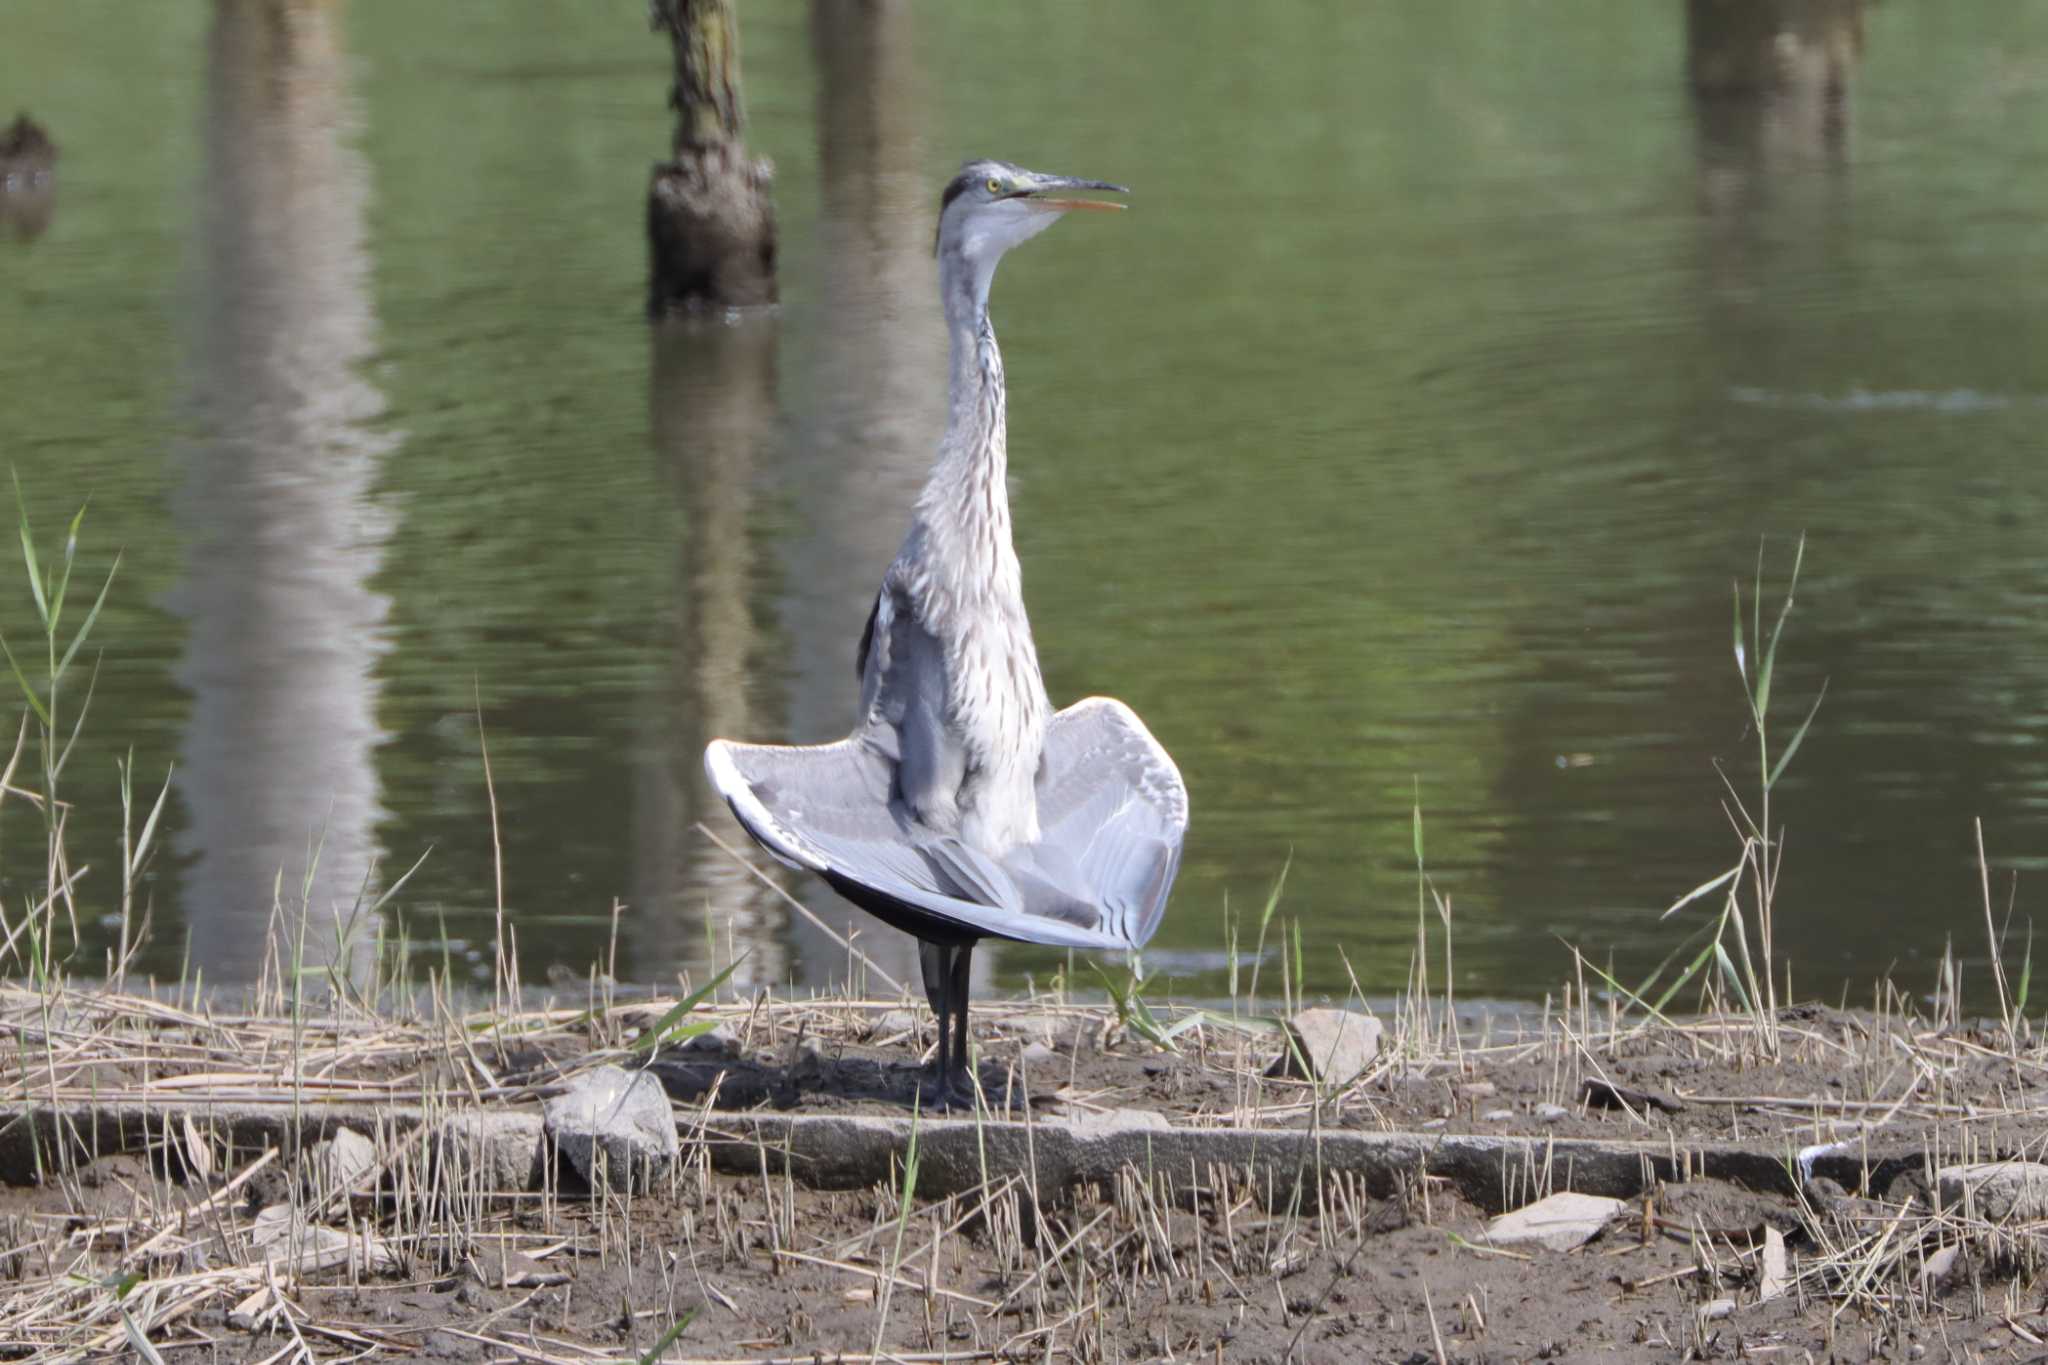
column 1116, row 1201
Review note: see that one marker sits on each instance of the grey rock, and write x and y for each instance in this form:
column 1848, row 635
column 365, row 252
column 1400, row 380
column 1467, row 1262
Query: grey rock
column 1995, row 1190
column 613, row 1126
column 1338, row 1046
column 1037, row 1054
column 1560, row 1222
column 1551, row 1113
column 1498, row 1115
column 1715, row 1309
column 1478, row 1090
column 489, row 1149
column 339, row 1162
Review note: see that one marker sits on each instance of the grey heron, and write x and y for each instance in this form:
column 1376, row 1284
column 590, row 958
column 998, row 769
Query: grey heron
column 962, row 806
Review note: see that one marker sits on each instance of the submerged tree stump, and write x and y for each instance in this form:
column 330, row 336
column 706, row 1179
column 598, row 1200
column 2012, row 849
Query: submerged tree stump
column 710, row 221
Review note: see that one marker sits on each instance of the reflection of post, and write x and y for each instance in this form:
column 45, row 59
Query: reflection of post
column 713, row 395
column 28, row 178
column 1770, row 80
column 876, row 396
column 275, row 495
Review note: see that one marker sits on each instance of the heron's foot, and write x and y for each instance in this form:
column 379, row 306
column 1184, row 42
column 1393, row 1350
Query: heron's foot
column 946, row 1092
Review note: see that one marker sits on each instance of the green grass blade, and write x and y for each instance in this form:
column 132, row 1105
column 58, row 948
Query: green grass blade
column 1702, row 889
column 92, row 687
column 70, row 558
column 28, row 555
column 2026, row 973
column 90, row 617
column 1742, row 656
column 1692, row 970
column 675, row 1329
column 1763, row 686
column 1417, row 824
column 382, row 900
column 1728, row 971
column 1778, row 768
column 661, row 1030
column 1614, row 985
column 34, row 701
column 1273, row 899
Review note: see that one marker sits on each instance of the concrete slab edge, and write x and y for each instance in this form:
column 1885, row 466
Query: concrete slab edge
column 830, row 1151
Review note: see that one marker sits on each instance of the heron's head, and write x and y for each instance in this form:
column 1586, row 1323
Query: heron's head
column 991, row 206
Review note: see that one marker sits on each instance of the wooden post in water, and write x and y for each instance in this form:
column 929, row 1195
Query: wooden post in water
column 710, row 221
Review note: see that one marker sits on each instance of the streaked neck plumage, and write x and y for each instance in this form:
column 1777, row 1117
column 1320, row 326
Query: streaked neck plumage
column 973, row 463
column 970, row 585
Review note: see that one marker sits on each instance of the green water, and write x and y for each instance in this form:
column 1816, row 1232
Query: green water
column 1402, row 442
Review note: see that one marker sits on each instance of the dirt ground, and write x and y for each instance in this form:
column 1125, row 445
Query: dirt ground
column 774, row 1271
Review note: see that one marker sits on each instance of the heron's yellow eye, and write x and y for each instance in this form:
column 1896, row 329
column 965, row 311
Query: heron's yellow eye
column 995, row 187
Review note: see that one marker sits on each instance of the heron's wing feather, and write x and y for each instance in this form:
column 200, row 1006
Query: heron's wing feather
column 1112, row 812
column 904, row 703
column 827, row 808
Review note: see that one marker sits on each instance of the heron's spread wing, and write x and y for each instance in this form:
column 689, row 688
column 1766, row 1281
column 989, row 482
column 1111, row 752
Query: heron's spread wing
column 1112, row 811
column 903, row 699
column 829, row 808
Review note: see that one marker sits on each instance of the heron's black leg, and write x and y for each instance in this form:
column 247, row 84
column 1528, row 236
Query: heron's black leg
column 931, row 961
column 935, row 962
column 958, row 1081
column 946, row 973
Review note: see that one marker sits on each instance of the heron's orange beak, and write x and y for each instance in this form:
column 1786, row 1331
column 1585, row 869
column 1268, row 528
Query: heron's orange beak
column 1062, row 205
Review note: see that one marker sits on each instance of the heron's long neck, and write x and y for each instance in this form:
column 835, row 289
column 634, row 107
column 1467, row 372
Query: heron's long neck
column 968, row 493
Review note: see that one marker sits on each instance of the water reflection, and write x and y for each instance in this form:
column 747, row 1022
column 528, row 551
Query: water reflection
column 873, row 400
column 1416, row 453
column 28, row 179
column 713, row 393
column 1770, row 85
column 275, row 498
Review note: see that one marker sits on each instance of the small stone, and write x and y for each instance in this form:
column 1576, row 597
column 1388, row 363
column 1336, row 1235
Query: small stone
column 338, row 1162
column 1551, row 1113
column 1715, row 1309
column 1777, row 1271
column 1338, row 1046
column 1433, row 1123
column 892, row 1024
column 1996, row 1190
column 1498, row 1115
column 1478, row 1090
column 1037, row 1054
column 1560, row 1222
column 623, row 1115
column 809, row 1057
column 1941, row 1268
